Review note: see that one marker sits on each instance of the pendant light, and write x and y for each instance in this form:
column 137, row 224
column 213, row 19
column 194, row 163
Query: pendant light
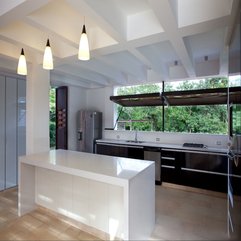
column 84, row 51
column 48, row 57
column 22, row 65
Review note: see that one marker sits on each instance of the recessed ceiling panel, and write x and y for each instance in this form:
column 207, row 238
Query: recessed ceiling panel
column 205, row 44
column 147, row 22
column 7, row 5
column 129, row 7
column 159, row 53
column 126, row 62
column 60, row 17
column 197, row 11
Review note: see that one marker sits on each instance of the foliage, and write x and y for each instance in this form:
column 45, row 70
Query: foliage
column 141, row 118
column 52, row 125
column 194, row 119
column 237, row 119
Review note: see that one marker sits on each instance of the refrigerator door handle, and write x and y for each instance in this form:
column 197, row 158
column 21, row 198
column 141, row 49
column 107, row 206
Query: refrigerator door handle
column 79, row 135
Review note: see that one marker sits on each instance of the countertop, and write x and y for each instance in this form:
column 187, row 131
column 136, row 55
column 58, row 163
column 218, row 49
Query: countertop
column 164, row 146
column 98, row 167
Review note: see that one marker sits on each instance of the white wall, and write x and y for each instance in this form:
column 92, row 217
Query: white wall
column 99, row 100
column 76, row 102
column 211, row 140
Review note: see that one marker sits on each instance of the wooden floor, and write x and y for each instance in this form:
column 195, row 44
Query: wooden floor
column 37, row 225
column 180, row 215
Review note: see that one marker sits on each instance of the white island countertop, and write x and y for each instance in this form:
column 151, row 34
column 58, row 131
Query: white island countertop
column 114, row 197
column 97, row 167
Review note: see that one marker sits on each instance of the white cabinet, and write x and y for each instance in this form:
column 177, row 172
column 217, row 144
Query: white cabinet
column 12, row 128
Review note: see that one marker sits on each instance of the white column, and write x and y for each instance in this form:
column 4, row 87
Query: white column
column 37, row 114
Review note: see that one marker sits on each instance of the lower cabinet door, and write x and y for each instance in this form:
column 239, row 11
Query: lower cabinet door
column 136, row 152
column 200, row 170
column 205, row 170
column 111, row 150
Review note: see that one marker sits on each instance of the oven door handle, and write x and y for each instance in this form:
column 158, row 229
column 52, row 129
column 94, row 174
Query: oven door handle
column 233, row 157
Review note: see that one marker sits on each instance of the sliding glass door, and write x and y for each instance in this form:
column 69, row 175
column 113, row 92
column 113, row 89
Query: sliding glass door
column 12, row 128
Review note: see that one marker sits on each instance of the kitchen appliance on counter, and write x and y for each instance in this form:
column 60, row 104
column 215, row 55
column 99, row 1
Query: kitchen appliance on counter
column 89, row 128
column 154, row 154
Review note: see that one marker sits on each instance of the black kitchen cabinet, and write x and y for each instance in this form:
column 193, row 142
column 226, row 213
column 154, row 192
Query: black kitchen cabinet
column 195, row 169
column 171, row 162
column 135, row 152
column 205, row 170
column 111, row 150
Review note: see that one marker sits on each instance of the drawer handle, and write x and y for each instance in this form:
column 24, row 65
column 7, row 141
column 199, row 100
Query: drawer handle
column 165, row 166
column 168, row 158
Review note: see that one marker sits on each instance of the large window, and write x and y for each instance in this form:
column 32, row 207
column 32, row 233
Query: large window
column 139, row 118
column 190, row 119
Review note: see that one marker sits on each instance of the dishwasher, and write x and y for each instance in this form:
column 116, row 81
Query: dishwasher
column 154, row 154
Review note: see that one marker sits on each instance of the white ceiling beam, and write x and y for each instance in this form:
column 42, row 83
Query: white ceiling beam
column 114, row 75
column 164, row 13
column 223, row 61
column 203, row 27
column 51, row 33
column 63, row 77
column 148, row 64
column 84, row 74
column 28, row 51
column 129, row 70
column 234, row 18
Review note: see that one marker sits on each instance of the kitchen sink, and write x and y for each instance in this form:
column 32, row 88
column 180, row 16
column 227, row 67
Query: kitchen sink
column 133, row 141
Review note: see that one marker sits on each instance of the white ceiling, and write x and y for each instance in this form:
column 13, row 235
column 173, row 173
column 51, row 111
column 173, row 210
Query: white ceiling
column 131, row 41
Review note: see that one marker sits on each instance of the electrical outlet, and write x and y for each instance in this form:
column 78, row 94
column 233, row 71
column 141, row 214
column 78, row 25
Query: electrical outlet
column 157, row 139
column 218, row 143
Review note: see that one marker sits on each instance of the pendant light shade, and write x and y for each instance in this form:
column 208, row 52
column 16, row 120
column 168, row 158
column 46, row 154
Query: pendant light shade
column 84, row 51
column 22, row 65
column 48, row 57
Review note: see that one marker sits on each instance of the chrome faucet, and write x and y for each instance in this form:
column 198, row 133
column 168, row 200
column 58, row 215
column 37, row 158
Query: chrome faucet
column 135, row 135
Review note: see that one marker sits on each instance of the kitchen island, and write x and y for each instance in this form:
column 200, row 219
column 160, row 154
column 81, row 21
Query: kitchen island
column 112, row 195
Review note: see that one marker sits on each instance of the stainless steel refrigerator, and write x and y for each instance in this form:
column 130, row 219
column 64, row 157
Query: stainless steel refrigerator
column 89, row 124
